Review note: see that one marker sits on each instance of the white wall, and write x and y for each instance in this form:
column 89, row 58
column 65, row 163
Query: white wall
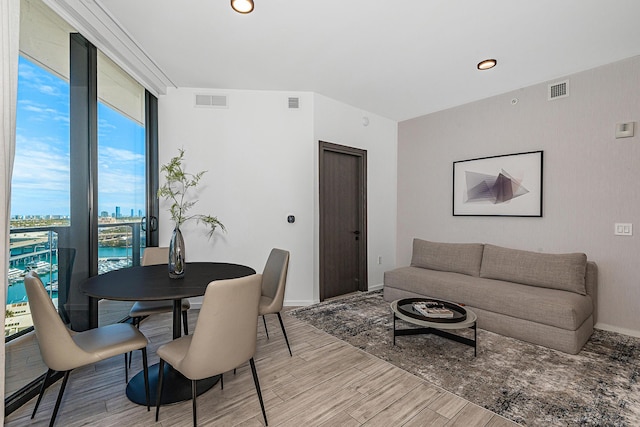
column 259, row 162
column 590, row 178
column 342, row 124
column 262, row 160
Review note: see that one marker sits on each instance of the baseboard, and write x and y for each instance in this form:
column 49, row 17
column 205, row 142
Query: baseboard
column 196, row 305
column 623, row 331
column 377, row 287
column 298, row 303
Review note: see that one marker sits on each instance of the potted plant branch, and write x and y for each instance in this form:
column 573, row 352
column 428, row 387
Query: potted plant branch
column 178, row 184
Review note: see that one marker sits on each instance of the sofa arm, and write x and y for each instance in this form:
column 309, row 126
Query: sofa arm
column 591, row 286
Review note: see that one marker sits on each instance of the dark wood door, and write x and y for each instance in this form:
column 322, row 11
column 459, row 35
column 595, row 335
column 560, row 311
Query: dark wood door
column 342, row 220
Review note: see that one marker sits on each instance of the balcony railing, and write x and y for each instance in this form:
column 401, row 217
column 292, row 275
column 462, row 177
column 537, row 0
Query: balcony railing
column 119, row 246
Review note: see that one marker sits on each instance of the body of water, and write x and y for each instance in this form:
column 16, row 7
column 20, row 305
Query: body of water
column 109, row 258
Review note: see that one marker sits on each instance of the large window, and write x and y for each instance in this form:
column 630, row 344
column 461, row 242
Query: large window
column 40, row 197
column 80, row 185
column 121, row 167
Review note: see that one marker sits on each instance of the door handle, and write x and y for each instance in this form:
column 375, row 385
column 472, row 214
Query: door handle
column 153, row 223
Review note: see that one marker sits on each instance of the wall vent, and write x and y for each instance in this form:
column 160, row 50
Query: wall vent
column 211, row 101
column 294, row 102
column 558, row 90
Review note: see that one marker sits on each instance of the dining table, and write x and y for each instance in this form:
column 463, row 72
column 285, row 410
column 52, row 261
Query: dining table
column 152, row 283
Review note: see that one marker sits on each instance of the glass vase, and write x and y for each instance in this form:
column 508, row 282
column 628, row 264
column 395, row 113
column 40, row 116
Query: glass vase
column 176, row 255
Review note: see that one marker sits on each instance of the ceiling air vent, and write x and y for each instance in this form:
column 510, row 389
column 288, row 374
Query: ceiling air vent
column 558, row 90
column 294, row 102
column 211, row 101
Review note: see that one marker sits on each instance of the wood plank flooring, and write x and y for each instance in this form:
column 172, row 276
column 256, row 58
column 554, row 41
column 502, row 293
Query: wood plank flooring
column 326, row 383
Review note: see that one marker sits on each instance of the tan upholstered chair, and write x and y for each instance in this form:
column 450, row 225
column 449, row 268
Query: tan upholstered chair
column 274, row 281
column 63, row 350
column 224, row 338
column 155, row 256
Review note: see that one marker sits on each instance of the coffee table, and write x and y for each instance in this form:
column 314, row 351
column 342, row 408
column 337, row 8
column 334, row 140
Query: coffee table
column 464, row 318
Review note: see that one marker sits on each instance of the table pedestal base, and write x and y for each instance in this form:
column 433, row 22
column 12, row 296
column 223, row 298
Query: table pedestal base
column 177, row 388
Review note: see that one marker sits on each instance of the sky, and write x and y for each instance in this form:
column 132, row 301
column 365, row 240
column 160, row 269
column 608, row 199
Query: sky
column 40, row 180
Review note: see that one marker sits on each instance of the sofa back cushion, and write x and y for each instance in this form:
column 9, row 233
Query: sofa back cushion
column 462, row 258
column 556, row 271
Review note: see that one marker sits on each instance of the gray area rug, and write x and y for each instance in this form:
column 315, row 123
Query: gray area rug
column 526, row 383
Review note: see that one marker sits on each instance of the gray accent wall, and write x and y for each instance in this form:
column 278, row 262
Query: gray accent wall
column 591, row 179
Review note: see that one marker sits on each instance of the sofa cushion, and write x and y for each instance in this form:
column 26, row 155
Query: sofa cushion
column 555, row 271
column 553, row 307
column 462, row 258
column 454, row 287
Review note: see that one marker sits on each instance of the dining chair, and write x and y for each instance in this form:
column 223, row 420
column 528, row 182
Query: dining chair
column 141, row 309
column 224, row 337
column 64, row 350
column 274, row 281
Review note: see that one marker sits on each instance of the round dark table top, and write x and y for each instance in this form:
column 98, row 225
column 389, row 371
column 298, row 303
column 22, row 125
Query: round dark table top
column 152, row 282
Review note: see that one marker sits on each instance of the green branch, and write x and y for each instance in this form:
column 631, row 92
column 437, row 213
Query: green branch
column 174, row 190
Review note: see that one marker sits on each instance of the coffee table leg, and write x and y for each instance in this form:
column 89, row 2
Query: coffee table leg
column 475, row 339
column 394, row 329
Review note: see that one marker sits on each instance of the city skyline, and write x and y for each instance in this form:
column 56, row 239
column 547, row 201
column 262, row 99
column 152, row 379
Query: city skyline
column 41, row 171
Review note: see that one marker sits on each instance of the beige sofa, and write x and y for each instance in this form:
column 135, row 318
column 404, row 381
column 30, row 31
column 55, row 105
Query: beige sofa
column 545, row 299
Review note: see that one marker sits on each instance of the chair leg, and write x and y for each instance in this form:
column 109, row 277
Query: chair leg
column 185, row 322
column 265, row 326
column 159, row 392
column 145, row 369
column 221, row 381
column 42, row 390
column 126, row 368
column 135, row 322
column 59, row 399
column 284, row 333
column 257, row 384
column 193, row 398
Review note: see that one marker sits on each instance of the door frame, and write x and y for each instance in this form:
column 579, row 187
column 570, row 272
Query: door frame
column 361, row 155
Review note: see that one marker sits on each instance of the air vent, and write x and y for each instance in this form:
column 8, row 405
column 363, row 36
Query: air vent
column 294, row 102
column 211, row 101
column 558, row 90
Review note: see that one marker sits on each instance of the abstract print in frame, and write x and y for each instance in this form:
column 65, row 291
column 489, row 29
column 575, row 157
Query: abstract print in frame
column 506, row 185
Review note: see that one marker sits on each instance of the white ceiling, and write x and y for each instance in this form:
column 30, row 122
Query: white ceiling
column 396, row 58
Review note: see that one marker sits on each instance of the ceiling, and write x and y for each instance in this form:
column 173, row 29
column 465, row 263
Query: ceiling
column 397, row 59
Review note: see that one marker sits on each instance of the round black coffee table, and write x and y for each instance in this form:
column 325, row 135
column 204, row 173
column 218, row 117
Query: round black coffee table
column 401, row 309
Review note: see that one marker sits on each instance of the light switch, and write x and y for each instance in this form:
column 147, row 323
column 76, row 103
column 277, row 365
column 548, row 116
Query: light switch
column 623, row 229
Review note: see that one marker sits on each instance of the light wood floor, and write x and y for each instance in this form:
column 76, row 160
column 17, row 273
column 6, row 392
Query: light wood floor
column 326, row 383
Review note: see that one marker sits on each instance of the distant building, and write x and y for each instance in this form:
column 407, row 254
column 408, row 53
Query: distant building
column 104, row 214
column 118, row 215
column 132, row 213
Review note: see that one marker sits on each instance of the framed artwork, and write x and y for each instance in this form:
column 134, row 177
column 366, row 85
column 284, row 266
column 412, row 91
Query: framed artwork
column 506, row 185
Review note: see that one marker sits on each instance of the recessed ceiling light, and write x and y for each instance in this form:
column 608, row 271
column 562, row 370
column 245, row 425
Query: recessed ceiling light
column 242, row 6
column 487, row 64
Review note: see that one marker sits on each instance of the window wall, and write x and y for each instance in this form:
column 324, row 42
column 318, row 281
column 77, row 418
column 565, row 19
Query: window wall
column 121, row 167
column 80, row 186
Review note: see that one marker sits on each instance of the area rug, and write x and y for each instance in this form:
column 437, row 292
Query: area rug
column 526, row 383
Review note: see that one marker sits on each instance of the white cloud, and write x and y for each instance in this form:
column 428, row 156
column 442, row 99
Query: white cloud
column 42, row 112
column 112, row 154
